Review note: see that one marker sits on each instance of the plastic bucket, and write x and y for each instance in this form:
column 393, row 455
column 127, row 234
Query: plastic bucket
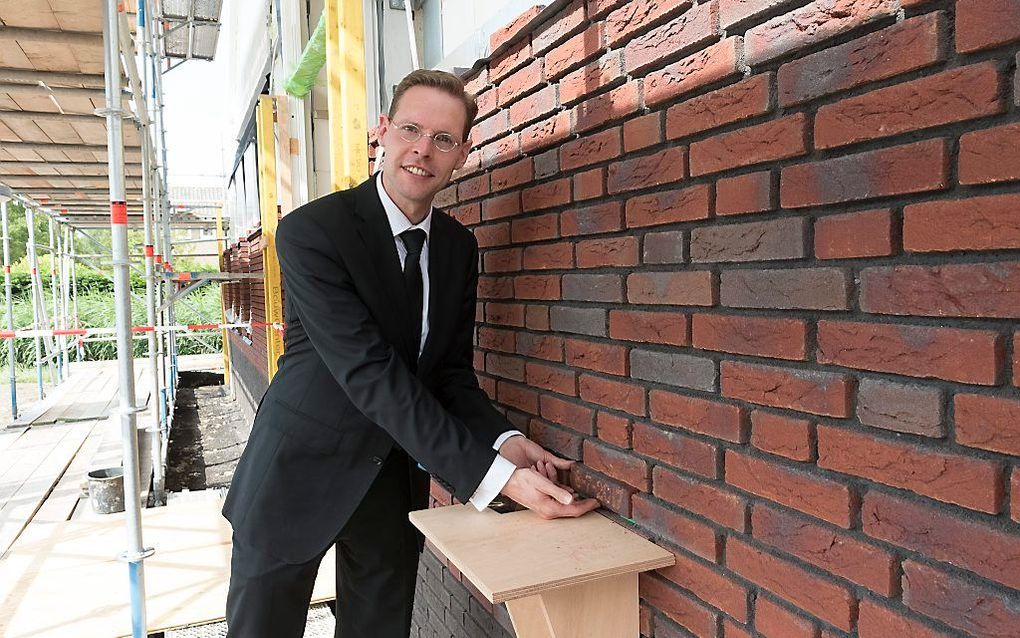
column 106, row 490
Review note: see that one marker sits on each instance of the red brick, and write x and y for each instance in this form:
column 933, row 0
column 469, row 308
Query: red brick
column 824, row 393
column 733, row 11
column 473, row 187
column 976, row 547
column 649, row 327
column 674, row 527
column 899, row 407
column 505, row 367
column 782, row 435
column 702, row 416
column 478, row 81
column 503, row 260
column 687, row 288
column 495, row 287
column 771, row 141
column 990, row 155
column 559, row 27
column 773, row 621
column 955, row 95
column 809, row 25
column 640, row 15
column 625, row 397
column 601, row 357
column 668, row 207
column 550, row 378
column 618, row 465
column 492, row 235
column 989, row 423
column 589, row 184
column 709, row 584
column 982, row 24
column 574, row 52
column 1016, row 359
column 613, row 429
column 534, row 229
column 517, row 396
column 1014, row 494
column 604, row 72
column 616, row 251
column 951, row 478
column 549, row 256
column 499, row 206
column 446, row 197
column 537, row 287
column 642, row 132
column 676, row 449
column 564, row 443
column 468, row 215
column 733, row 630
column 910, row 168
column 535, row 106
column 501, row 151
column 548, row 132
column 679, row 608
column 852, row 235
column 952, row 290
column 777, row 239
column 733, row 103
column 599, row 8
column 708, row 499
column 691, row 29
column 906, row 46
column 759, row 336
column 601, row 218
column 708, row 66
column 520, row 172
column 509, row 31
column 974, row 609
column 967, row 356
column 977, row 223
column 504, row 314
column 607, row 107
column 486, row 101
column 817, row 596
column 592, row 149
column 875, row 621
column 749, row 193
column 494, row 339
column 519, row 83
column 540, row 346
column 669, row 165
column 612, row 495
column 510, row 60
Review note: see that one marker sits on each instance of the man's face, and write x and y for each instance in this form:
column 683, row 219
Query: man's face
column 416, row 171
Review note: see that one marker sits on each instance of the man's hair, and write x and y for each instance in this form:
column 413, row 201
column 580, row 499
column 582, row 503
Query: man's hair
column 445, row 82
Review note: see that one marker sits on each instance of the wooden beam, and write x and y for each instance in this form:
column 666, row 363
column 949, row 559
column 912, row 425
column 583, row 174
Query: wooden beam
column 40, row 90
column 64, row 148
column 346, row 99
column 50, row 78
column 6, row 165
column 44, row 116
column 21, row 35
column 266, row 144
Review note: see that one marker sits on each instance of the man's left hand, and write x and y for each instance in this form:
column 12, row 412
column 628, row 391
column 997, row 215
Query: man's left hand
column 523, row 452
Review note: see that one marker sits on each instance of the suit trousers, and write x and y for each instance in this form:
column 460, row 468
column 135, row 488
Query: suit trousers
column 376, row 570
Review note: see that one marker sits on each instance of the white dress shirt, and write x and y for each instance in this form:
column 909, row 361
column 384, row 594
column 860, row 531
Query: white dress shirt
column 501, row 468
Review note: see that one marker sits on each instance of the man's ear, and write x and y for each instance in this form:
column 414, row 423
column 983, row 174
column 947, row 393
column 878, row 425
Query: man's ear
column 384, row 125
column 464, row 150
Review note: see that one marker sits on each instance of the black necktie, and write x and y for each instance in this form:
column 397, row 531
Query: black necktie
column 414, row 240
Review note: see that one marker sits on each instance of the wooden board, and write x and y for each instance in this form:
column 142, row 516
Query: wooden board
column 63, row 579
column 514, row 555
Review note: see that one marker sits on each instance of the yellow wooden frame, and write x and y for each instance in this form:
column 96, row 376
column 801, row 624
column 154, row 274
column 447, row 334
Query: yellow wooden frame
column 223, row 311
column 347, row 100
column 266, row 144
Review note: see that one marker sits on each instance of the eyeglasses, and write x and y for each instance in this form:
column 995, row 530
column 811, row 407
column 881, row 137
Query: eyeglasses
column 442, row 141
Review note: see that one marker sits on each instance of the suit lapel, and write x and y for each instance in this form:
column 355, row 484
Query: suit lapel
column 440, row 264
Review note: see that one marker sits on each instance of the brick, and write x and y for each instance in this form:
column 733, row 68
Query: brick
column 559, row 27
column 982, row 24
column 820, row 597
column 733, row 630
column 492, row 235
column 517, row 396
column 900, row 407
column 505, row 367
column 742, row 100
column 510, row 60
column 506, row 33
column 674, row 527
column 640, row 15
column 534, row 229
column 955, row 95
column 501, row 151
column 664, row 248
column 853, row 235
column 549, row 256
column 549, row 132
column 550, row 378
column 590, row 287
column 478, row 81
column 752, row 241
column 613, row 429
column 757, row 336
column 782, row 435
column 1016, row 359
column 710, row 500
column 749, row 193
column 989, row 423
column 547, row 164
column 691, row 29
column 574, row 52
column 537, row 287
column 605, row 72
column 589, row 184
column 618, row 395
column 615, row 251
column 676, row 449
column 822, row 393
column 805, row 492
column 990, row 155
column 516, row 174
column 702, row 416
column 774, row 621
column 678, row 607
column 708, row 66
column 827, row 19
column 494, row 339
column 446, row 197
column 733, row 11
column 1014, row 494
column 645, row 171
column 674, row 368
column 976, row 547
column 952, row 290
column 612, row 495
column 969, row 482
column 592, row 220
column 467, row 215
column 642, row 132
column 540, row 346
column 795, row 288
column 534, row 107
column 688, row 288
column 547, row 195
column 564, row 443
column 670, row 206
column 519, row 83
column 587, row 321
column 709, row 584
column 967, row 356
column 898, row 170
column 770, row 141
column 619, row 465
column 504, row 260
column 876, row 621
column 495, row 287
column 592, row 149
column 977, row 223
column 473, row 188
column 974, row 609
column 599, row 8
column 607, row 107
column 601, row 357
column 487, row 102
column 649, row 327
column 906, row 46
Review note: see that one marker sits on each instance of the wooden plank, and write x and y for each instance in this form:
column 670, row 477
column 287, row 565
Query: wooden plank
column 18, row 461
column 8, row 436
column 66, row 497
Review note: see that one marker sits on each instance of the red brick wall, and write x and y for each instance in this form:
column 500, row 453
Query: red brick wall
column 756, row 264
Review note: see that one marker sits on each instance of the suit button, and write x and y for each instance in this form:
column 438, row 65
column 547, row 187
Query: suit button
column 378, row 460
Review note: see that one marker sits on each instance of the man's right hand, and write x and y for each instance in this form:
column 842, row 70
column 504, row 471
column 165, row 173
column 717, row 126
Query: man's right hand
column 545, row 498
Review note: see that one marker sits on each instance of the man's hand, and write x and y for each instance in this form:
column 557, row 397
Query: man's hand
column 524, row 453
column 544, row 497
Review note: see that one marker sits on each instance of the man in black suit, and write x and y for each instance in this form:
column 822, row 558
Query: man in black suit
column 377, row 378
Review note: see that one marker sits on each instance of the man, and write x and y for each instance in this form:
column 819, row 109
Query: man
column 377, row 377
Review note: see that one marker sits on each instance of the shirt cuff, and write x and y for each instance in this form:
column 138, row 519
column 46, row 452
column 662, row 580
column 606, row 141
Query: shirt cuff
column 503, row 438
column 493, row 481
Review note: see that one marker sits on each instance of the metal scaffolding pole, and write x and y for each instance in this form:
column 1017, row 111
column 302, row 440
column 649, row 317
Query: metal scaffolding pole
column 136, row 551
column 30, row 221
column 53, row 291
column 9, row 302
column 79, row 349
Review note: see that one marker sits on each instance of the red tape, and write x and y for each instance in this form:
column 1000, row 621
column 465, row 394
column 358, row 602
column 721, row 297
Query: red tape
column 70, row 331
column 118, row 213
column 148, row 251
column 6, row 334
column 142, row 328
column 203, row 326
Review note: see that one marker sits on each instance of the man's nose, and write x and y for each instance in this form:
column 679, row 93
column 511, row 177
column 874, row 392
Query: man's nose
column 423, row 146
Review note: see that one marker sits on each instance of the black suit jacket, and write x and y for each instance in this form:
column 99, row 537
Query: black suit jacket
column 344, row 393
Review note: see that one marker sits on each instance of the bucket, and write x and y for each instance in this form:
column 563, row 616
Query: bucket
column 106, row 490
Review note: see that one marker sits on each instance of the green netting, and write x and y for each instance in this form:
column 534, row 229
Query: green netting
column 312, row 58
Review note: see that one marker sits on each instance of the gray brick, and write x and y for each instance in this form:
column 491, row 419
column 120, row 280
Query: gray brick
column 586, row 321
column 753, row 241
column 606, row 288
column 786, row 289
column 901, row 407
column 664, row 248
column 547, row 163
column 673, row 368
